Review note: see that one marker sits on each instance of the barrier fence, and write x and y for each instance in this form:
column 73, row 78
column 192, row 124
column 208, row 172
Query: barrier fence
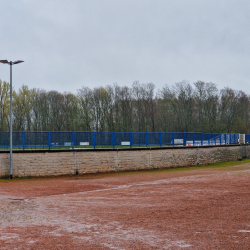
column 78, row 139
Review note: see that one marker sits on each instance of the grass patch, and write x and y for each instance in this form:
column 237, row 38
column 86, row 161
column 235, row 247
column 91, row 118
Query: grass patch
column 219, row 165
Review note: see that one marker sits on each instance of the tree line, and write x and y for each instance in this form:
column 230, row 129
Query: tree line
column 181, row 107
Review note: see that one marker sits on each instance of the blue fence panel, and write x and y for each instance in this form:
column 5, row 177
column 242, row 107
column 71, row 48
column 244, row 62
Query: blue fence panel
column 189, row 139
column 166, row 138
column 17, row 139
column 104, row 139
column 223, row 138
column 217, row 139
column 205, row 139
column 178, row 139
column 231, row 138
column 83, row 139
column 139, row 138
column 4, row 139
column 198, row 139
column 236, row 138
column 35, row 139
column 61, row 139
column 212, row 139
column 247, row 138
column 122, row 139
column 43, row 139
column 228, row 138
column 154, row 138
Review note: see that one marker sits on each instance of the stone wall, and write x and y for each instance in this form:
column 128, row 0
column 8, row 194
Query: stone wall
column 61, row 162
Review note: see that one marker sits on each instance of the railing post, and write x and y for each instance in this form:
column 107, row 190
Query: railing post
column 49, row 139
column 215, row 139
column 113, row 139
column 230, row 138
column 193, row 139
column 146, row 139
column 73, row 139
column 160, row 135
column 23, row 139
column 94, row 139
column 208, row 139
column 220, row 138
column 201, row 139
column 184, row 139
column 173, row 139
column 131, row 139
column 225, row 135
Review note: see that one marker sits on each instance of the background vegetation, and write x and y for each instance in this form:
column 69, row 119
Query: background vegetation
column 182, row 107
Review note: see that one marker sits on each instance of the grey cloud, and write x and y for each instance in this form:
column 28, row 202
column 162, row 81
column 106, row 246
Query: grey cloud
column 69, row 44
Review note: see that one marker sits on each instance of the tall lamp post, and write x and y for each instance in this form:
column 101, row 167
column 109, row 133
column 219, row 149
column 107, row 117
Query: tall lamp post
column 10, row 63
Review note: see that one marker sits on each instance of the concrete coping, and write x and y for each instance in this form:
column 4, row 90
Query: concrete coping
column 114, row 149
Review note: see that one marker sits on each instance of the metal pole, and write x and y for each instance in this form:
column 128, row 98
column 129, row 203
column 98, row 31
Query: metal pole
column 11, row 63
column 10, row 119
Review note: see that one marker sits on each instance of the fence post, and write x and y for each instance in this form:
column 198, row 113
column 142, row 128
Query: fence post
column 214, row 139
column 23, row 139
column 160, row 139
column 73, row 139
column 225, row 135
column 146, row 139
column 94, row 139
column 184, row 139
column 49, row 139
column 193, row 139
column 131, row 139
column 173, row 139
column 220, row 138
column 113, row 139
column 201, row 139
column 230, row 138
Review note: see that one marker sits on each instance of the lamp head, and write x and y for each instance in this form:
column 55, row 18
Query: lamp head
column 10, row 62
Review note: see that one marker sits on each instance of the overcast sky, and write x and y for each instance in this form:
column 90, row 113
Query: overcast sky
column 75, row 43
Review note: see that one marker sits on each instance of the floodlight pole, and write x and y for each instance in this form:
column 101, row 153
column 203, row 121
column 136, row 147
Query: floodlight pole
column 10, row 63
column 11, row 120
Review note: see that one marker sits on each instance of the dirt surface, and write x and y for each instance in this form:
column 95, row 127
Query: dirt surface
column 192, row 208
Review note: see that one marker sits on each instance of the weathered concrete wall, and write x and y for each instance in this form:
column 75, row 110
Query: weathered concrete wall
column 61, row 162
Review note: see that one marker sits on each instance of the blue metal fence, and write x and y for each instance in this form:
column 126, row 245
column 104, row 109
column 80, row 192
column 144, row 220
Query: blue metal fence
column 81, row 139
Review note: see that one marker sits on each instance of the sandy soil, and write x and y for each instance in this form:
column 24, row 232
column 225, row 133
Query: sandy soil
column 188, row 209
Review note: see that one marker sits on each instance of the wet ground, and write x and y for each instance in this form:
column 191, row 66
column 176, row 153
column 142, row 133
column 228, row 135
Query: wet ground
column 191, row 208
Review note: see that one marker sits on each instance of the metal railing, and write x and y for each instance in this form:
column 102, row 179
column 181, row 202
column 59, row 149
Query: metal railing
column 80, row 139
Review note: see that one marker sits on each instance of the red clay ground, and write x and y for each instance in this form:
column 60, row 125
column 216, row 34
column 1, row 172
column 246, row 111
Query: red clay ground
column 196, row 208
